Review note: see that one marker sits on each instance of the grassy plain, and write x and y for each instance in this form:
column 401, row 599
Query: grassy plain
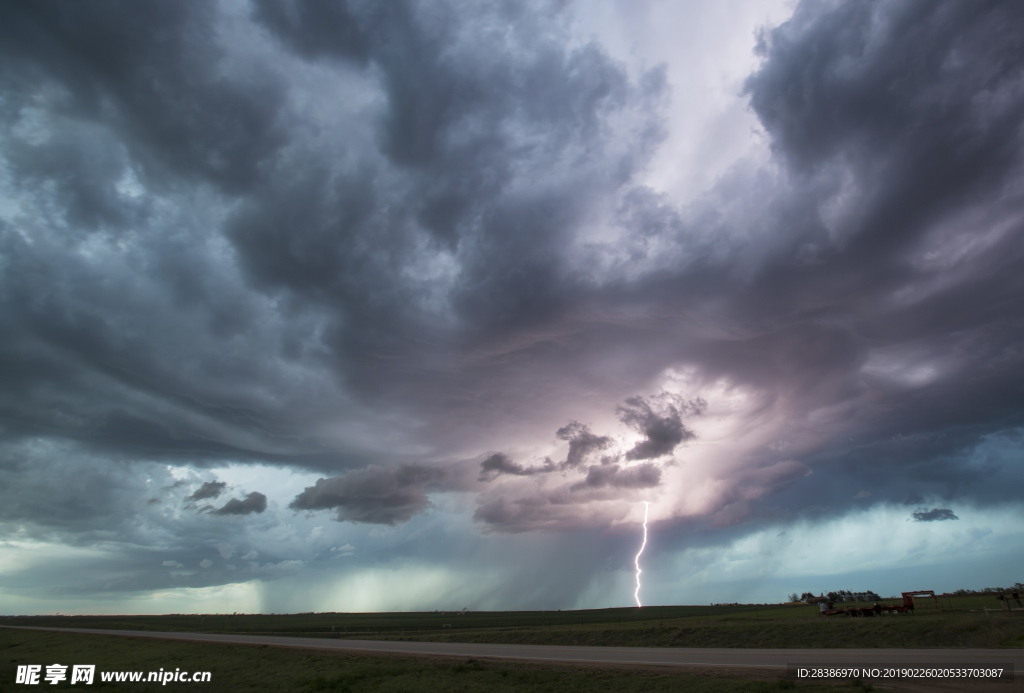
column 954, row 622
column 262, row 668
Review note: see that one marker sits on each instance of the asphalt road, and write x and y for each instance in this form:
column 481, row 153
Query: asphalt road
column 672, row 656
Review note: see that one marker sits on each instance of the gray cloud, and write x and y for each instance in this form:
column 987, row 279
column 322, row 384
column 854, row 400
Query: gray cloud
column 376, row 496
column 499, row 463
column 908, row 180
column 254, row 502
column 209, row 489
column 108, row 506
column 316, row 30
column 352, row 233
column 663, row 429
column 933, row 515
column 582, row 442
column 188, row 120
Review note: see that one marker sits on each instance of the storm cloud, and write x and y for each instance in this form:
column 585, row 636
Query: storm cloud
column 581, row 442
column 449, row 270
column 209, row 489
column 933, row 515
column 375, row 496
column 254, row 502
column 499, row 463
column 663, row 430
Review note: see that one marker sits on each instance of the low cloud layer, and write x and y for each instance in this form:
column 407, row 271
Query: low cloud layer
column 209, row 489
column 374, row 496
column 933, row 515
column 254, row 502
column 498, row 464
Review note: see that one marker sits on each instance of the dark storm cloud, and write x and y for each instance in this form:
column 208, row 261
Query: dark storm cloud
column 918, row 105
column 376, row 496
column 473, row 111
column 316, row 29
column 174, row 110
column 907, row 68
column 101, row 354
column 933, row 515
column 112, row 537
column 139, row 143
column 35, row 495
column 209, row 489
column 905, row 118
column 254, row 502
column 581, row 441
column 663, row 429
column 499, row 463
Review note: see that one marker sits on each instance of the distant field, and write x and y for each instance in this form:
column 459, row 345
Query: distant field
column 955, row 622
column 262, row 668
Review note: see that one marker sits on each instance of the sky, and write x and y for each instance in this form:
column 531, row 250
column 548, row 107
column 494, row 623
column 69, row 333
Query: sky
column 359, row 306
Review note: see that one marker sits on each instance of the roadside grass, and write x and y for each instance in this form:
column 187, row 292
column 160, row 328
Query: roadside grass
column 934, row 630
column 263, row 668
column 359, row 624
column 953, row 622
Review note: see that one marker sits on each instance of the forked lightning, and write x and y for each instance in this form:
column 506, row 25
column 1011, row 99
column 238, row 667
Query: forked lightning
column 636, row 561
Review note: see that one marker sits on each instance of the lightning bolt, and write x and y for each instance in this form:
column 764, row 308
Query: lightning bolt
column 636, row 561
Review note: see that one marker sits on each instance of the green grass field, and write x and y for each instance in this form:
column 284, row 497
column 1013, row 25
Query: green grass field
column 261, row 668
column 954, row 622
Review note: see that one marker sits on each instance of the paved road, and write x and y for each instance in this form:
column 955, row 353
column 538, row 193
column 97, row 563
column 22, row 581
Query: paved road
column 676, row 656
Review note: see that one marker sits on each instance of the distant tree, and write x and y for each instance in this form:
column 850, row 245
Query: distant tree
column 806, row 596
column 793, row 597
